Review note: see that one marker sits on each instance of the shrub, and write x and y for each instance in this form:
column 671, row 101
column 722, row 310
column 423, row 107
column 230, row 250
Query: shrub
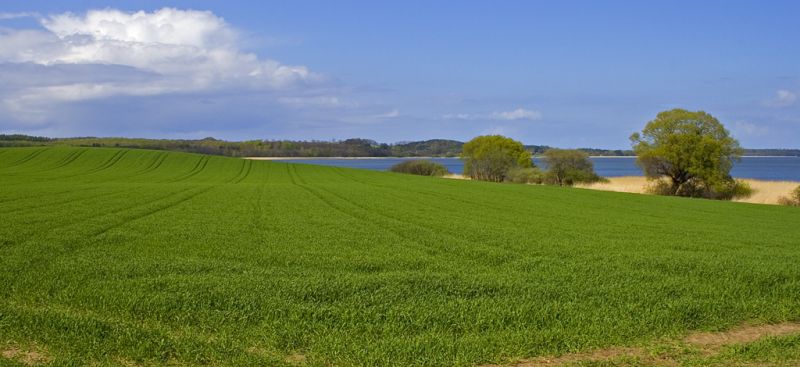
column 566, row 167
column 531, row 175
column 792, row 200
column 724, row 190
column 420, row 167
column 733, row 189
column 659, row 187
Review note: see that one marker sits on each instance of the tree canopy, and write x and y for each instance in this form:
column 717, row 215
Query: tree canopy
column 692, row 149
column 490, row 157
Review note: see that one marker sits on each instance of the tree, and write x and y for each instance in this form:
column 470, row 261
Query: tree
column 490, row 157
column 692, row 150
column 568, row 166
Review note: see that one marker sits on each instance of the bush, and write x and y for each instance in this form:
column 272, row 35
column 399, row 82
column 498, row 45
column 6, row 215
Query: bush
column 571, row 177
column 792, row 200
column 566, row 167
column 734, row 189
column 530, row 175
column 659, row 187
column 725, row 190
column 420, row 167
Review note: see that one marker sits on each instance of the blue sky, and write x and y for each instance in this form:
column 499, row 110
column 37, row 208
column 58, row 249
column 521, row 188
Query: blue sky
column 565, row 73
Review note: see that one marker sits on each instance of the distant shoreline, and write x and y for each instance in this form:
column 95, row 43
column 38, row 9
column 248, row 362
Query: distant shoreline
column 326, row 158
column 353, row 158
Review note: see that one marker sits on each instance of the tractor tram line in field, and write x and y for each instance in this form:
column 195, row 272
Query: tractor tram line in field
column 147, row 210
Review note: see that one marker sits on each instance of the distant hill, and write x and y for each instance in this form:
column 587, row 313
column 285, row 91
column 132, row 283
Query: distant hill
column 314, row 148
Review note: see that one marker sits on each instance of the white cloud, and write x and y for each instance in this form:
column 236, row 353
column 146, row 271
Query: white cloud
column 783, row 98
column 182, row 51
column 517, row 114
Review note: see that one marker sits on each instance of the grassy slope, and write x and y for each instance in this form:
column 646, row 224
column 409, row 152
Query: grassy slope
column 113, row 256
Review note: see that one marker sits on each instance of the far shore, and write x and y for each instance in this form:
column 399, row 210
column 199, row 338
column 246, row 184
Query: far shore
column 592, row 156
column 325, row 158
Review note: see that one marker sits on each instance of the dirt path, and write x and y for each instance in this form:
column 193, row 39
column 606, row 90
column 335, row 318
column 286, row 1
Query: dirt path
column 26, row 357
column 707, row 343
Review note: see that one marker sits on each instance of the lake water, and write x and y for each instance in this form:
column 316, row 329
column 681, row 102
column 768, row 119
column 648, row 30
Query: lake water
column 762, row 168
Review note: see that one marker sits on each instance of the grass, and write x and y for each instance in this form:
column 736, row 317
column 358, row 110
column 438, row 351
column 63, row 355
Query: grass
column 136, row 257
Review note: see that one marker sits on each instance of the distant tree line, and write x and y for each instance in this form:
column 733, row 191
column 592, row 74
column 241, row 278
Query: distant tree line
column 313, row 148
column 258, row 148
column 771, row 152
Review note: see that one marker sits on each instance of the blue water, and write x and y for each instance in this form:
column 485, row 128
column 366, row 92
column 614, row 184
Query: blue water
column 762, row 168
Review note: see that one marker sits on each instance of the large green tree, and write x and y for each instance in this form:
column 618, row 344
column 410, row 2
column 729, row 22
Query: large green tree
column 490, row 157
column 693, row 150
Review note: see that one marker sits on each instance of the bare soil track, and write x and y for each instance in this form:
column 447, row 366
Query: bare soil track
column 708, row 343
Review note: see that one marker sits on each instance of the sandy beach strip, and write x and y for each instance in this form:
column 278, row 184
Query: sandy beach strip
column 764, row 192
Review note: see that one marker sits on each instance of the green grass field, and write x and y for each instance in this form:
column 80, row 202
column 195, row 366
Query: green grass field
column 136, row 257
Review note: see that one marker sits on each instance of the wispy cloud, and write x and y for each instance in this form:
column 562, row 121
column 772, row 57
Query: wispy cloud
column 314, row 102
column 749, row 129
column 388, row 115
column 783, row 98
column 6, row 16
column 518, row 114
column 513, row 115
column 459, row 116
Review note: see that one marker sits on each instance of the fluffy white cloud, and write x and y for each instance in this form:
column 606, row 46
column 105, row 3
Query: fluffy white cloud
column 171, row 50
column 517, row 114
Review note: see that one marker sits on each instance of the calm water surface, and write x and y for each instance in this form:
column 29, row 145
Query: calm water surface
column 762, row 168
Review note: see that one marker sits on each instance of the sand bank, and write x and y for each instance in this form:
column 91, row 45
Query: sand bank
column 764, row 192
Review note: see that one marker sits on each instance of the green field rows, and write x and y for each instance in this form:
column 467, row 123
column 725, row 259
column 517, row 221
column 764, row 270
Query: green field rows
column 115, row 257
